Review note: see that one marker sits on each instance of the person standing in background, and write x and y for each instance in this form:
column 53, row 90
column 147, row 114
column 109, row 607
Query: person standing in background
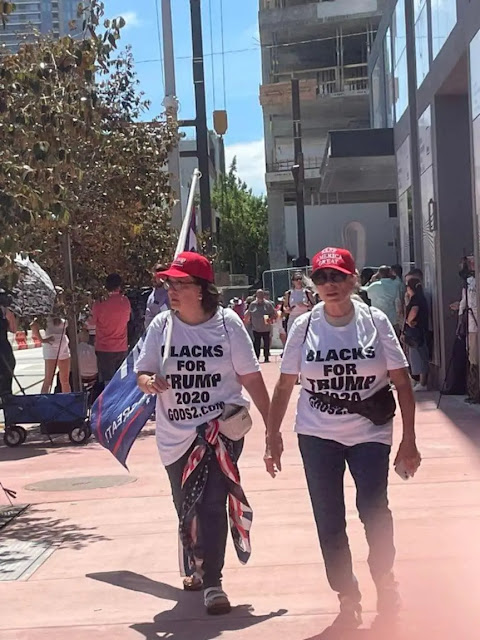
column 384, row 294
column 468, row 306
column 298, row 300
column 56, row 352
column 238, row 305
column 110, row 318
column 7, row 359
column 416, row 333
column 158, row 299
column 261, row 313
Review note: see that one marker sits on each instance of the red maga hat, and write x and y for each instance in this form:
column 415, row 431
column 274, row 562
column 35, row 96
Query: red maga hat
column 188, row 264
column 333, row 258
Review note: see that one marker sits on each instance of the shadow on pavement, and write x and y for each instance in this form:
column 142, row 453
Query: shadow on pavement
column 37, row 526
column 187, row 619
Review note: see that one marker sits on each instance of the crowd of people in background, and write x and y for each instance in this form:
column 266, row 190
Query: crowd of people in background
column 114, row 324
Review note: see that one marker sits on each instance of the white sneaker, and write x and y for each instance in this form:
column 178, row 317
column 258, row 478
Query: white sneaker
column 418, row 388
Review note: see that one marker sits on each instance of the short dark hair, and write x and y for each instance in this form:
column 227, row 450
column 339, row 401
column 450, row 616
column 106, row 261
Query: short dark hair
column 384, row 272
column 398, row 269
column 415, row 273
column 210, row 295
column 113, row 282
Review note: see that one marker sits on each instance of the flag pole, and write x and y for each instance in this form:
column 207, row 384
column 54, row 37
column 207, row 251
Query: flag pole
column 181, row 245
column 189, row 212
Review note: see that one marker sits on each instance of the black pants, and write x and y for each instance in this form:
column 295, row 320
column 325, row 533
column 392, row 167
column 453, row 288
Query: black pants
column 211, row 511
column 325, row 462
column 257, row 340
column 108, row 362
column 7, row 367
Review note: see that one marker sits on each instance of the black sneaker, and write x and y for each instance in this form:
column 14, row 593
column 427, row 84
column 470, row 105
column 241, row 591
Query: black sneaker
column 389, row 602
column 350, row 616
column 267, row 360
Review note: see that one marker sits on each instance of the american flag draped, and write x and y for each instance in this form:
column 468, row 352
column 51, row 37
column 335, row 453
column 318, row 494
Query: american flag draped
column 209, row 443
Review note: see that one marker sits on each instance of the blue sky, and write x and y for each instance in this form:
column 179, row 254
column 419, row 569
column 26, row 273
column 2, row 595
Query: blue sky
column 242, row 70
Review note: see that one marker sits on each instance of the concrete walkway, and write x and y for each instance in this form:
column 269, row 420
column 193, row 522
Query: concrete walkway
column 100, row 563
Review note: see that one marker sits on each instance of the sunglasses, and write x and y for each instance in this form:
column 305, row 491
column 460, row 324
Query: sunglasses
column 324, row 276
column 298, row 279
column 178, row 285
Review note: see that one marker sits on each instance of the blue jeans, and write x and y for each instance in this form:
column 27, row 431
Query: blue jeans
column 325, row 462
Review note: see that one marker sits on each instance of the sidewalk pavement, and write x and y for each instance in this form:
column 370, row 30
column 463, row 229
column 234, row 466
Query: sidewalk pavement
column 101, row 563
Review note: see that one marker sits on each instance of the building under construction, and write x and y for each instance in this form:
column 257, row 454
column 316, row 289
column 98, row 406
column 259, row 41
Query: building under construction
column 349, row 181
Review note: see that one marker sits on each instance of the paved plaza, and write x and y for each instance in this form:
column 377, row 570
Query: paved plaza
column 94, row 556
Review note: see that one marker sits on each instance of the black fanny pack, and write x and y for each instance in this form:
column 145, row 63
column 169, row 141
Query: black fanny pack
column 379, row 408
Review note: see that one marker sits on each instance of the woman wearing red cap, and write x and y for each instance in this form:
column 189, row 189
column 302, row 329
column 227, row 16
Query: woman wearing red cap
column 209, row 359
column 347, row 354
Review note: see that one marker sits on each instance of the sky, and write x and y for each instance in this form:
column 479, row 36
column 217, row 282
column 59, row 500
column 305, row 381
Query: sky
column 239, row 93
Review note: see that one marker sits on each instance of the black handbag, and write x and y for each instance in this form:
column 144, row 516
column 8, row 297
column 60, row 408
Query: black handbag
column 379, row 408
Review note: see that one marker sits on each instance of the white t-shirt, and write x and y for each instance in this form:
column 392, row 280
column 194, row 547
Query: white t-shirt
column 87, row 360
column 202, row 370
column 351, row 361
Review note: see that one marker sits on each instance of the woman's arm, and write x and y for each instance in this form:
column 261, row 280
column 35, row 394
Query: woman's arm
column 255, row 386
column 278, row 408
column 408, row 452
column 412, row 316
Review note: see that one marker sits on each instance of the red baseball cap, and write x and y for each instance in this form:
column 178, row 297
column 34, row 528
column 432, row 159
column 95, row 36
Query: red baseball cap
column 332, row 258
column 188, row 264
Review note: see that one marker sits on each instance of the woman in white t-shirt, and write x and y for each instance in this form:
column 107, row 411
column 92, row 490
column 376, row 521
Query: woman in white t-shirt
column 298, row 300
column 56, row 352
column 346, row 354
column 210, row 359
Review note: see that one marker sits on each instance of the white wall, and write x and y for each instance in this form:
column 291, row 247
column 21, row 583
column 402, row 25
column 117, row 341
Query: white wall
column 325, row 226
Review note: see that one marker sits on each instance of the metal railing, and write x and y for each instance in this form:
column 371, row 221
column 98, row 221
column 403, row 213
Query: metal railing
column 330, row 80
column 286, row 165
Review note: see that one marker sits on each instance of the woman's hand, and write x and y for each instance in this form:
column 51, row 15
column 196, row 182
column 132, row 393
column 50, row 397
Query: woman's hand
column 409, row 455
column 152, row 383
column 273, row 454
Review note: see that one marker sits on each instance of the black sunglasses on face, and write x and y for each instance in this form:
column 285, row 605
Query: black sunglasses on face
column 323, row 276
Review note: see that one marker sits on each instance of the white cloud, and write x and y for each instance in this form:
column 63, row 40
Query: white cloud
column 131, row 18
column 250, row 163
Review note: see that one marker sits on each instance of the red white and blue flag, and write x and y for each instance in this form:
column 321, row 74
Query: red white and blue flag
column 122, row 410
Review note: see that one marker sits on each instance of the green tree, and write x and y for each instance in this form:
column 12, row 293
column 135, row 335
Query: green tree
column 243, row 241
column 73, row 157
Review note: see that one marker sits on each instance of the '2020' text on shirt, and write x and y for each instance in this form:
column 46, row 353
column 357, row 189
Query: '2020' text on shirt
column 350, row 362
column 202, row 371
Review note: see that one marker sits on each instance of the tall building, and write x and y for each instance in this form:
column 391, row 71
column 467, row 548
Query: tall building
column 45, row 16
column 325, row 45
column 425, row 77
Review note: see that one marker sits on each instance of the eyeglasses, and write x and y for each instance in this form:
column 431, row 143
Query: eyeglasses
column 324, row 276
column 178, row 285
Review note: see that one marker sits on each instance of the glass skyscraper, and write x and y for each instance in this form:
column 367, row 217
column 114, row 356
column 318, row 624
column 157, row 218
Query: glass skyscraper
column 46, row 16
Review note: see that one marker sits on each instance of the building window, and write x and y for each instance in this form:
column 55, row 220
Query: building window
column 399, row 33
column 444, row 19
column 378, row 94
column 421, row 40
column 389, row 79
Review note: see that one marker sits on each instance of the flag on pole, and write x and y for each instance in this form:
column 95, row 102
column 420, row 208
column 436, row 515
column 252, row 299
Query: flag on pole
column 122, row 410
column 192, row 233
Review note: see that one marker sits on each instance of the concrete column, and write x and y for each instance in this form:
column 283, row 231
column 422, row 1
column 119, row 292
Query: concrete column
column 276, row 229
column 412, row 100
column 455, row 218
